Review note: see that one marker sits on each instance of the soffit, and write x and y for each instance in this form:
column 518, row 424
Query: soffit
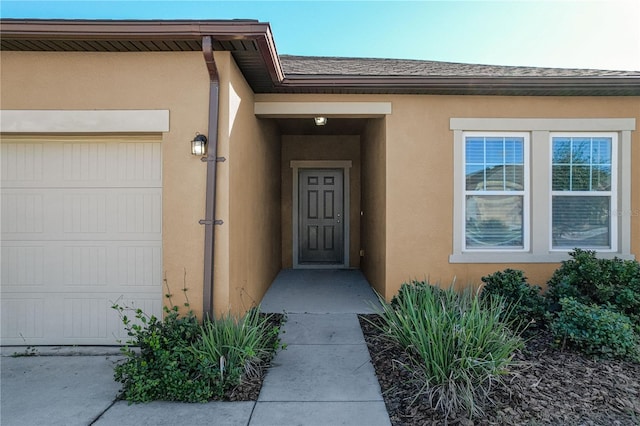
column 250, row 42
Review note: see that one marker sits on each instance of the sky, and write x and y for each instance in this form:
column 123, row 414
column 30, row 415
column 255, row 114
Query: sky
column 603, row 34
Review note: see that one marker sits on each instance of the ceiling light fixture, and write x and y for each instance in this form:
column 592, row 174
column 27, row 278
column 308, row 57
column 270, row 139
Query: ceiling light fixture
column 320, row 121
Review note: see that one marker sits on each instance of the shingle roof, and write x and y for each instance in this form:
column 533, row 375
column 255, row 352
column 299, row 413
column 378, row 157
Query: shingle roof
column 338, row 66
column 253, row 48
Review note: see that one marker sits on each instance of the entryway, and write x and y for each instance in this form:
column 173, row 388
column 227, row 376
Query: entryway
column 320, row 291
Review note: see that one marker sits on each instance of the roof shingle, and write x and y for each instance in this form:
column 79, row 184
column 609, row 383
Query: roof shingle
column 339, row 66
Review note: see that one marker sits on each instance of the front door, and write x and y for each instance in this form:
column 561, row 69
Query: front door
column 321, row 221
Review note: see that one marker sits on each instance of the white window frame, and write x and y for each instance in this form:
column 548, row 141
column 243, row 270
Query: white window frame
column 540, row 130
column 612, row 193
column 525, row 193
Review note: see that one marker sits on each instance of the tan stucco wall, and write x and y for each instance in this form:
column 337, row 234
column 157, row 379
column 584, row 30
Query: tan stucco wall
column 252, row 217
column 418, row 208
column 300, row 147
column 175, row 81
column 420, row 178
column 374, row 190
column 410, row 233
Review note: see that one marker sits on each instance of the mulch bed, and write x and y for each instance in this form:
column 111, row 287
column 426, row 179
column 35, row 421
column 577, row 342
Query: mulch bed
column 546, row 387
column 249, row 388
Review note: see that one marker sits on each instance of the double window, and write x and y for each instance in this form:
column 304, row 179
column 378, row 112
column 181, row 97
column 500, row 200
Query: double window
column 539, row 188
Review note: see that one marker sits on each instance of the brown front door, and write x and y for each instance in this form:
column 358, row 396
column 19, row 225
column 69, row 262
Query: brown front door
column 321, row 221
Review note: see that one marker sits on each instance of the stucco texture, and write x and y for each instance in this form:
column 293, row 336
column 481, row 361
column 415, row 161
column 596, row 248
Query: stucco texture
column 249, row 197
column 176, row 81
column 407, row 166
column 419, row 171
column 401, row 178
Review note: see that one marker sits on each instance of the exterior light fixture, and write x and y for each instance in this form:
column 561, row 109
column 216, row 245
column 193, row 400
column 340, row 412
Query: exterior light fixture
column 320, row 121
column 199, row 145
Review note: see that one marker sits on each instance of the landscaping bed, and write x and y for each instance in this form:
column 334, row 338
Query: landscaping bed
column 178, row 358
column 249, row 388
column 546, row 386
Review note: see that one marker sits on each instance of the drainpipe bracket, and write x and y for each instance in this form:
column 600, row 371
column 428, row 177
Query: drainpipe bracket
column 217, row 159
column 210, row 222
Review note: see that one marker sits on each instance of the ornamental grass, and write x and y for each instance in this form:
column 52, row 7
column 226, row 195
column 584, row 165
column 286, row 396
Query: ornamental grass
column 458, row 346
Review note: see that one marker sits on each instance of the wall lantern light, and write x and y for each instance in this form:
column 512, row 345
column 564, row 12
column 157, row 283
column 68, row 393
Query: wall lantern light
column 199, row 145
column 320, row 121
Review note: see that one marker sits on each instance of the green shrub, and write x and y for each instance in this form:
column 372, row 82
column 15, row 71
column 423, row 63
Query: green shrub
column 175, row 360
column 613, row 282
column 527, row 306
column 413, row 290
column 595, row 330
column 164, row 367
column 458, row 346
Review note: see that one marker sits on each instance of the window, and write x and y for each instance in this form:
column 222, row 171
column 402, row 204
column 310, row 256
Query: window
column 531, row 190
column 583, row 194
column 495, row 192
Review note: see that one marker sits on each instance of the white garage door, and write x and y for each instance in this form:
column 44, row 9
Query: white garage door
column 81, row 229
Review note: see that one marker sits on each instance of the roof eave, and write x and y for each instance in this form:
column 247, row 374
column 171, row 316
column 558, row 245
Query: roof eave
column 129, row 29
column 96, row 30
column 628, row 86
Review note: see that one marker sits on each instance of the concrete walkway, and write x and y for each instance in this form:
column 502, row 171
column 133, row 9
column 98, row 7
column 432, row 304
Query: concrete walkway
column 323, row 377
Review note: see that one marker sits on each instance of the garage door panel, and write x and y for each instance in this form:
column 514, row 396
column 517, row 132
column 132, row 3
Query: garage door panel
column 82, row 164
column 66, row 317
column 22, row 319
column 139, row 266
column 22, row 213
column 86, row 318
column 138, row 212
column 82, row 214
column 22, row 265
column 81, row 229
column 22, row 162
column 86, row 266
column 92, row 317
column 52, row 266
column 139, row 162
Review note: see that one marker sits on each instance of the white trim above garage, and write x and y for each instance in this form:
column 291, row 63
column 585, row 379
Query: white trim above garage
column 83, row 121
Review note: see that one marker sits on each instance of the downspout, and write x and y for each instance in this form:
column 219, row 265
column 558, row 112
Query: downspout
column 211, row 159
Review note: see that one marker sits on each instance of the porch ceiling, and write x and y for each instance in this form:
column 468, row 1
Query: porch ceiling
column 334, row 126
